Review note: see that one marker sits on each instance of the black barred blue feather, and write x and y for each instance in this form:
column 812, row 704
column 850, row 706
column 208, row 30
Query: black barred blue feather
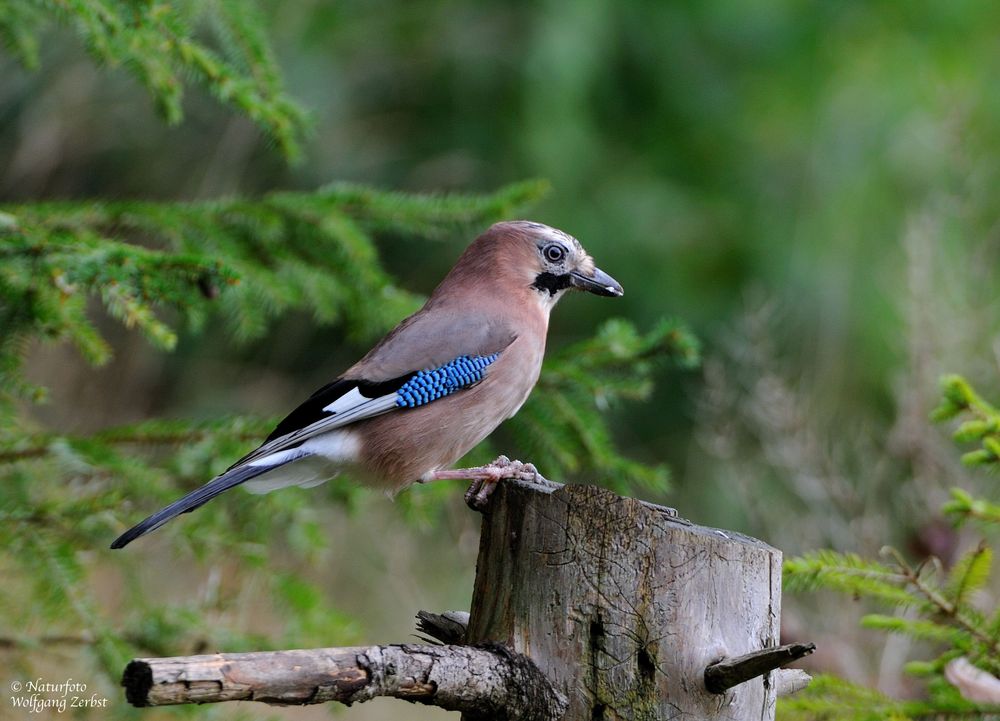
column 427, row 386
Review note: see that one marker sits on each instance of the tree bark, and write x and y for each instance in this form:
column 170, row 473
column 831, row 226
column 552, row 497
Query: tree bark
column 622, row 605
column 481, row 682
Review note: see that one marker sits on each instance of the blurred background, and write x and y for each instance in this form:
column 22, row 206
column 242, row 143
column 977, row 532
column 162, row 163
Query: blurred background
column 811, row 186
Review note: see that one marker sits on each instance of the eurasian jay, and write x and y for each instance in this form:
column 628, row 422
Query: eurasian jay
column 434, row 387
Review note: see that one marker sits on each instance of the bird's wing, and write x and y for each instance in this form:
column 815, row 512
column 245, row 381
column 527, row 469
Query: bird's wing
column 438, row 366
column 344, row 401
column 432, row 337
column 336, row 405
column 451, row 350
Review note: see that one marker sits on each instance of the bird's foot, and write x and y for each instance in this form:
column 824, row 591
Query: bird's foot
column 485, row 478
column 478, row 494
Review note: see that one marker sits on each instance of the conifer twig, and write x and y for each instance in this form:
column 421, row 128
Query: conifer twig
column 946, row 607
column 42, row 444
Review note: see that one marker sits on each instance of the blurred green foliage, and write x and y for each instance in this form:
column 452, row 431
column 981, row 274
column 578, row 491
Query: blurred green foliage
column 168, row 268
column 945, row 608
column 157, row 43
column 811, row 185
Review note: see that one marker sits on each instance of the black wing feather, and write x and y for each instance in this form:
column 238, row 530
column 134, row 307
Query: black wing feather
column 311, row 409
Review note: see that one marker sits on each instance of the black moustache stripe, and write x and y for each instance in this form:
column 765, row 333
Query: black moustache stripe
column 551, row 282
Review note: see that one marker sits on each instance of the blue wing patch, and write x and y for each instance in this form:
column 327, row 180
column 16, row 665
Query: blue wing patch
column 429, row 385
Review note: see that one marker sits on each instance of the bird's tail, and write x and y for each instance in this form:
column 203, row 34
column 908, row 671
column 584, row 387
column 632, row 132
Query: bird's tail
column 193, row 500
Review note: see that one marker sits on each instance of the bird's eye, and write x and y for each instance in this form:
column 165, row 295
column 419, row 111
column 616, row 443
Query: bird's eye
column 554, row 253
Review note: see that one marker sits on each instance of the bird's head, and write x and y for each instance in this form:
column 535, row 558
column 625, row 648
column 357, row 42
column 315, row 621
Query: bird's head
column 541, row 260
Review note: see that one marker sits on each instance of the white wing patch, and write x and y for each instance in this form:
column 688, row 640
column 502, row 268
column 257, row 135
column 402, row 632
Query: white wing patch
column 346, row 402
column 314, row 462
column 352, row 406
column 358, row 409
column 338, row 447
column 276, row 458
column 305, row 473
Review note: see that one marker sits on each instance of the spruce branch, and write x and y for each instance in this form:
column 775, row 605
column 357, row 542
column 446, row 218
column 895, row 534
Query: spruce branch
column 849, row 573
column 946, row 615
column 161, row 45
column 253, row 259
column 829, row 698
column 953, row 610
column 964, row 506
column 958, row 397
column 157, row 432
column 918, row 628
column 969, row 574
column 435, row 217
column 63, row 573
column 20, row 23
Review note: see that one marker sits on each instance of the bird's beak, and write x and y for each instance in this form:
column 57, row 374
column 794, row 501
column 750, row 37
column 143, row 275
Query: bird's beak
column 598, row 283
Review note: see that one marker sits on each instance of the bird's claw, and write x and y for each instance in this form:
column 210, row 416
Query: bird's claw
column 485, row 479
column 478, row 494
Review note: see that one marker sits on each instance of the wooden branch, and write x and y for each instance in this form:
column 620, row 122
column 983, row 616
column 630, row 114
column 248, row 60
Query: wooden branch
column 482, row 682
column 723, row 675
column 447, row 627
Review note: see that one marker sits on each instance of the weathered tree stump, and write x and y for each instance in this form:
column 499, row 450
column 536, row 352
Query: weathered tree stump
column 587, row 606
column 622, row 605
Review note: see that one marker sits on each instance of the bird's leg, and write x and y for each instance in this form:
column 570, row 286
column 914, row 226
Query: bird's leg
column 484, row 478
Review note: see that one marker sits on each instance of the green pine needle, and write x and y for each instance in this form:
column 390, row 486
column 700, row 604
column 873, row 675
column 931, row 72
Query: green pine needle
column 163, row 46
column 969, row 574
